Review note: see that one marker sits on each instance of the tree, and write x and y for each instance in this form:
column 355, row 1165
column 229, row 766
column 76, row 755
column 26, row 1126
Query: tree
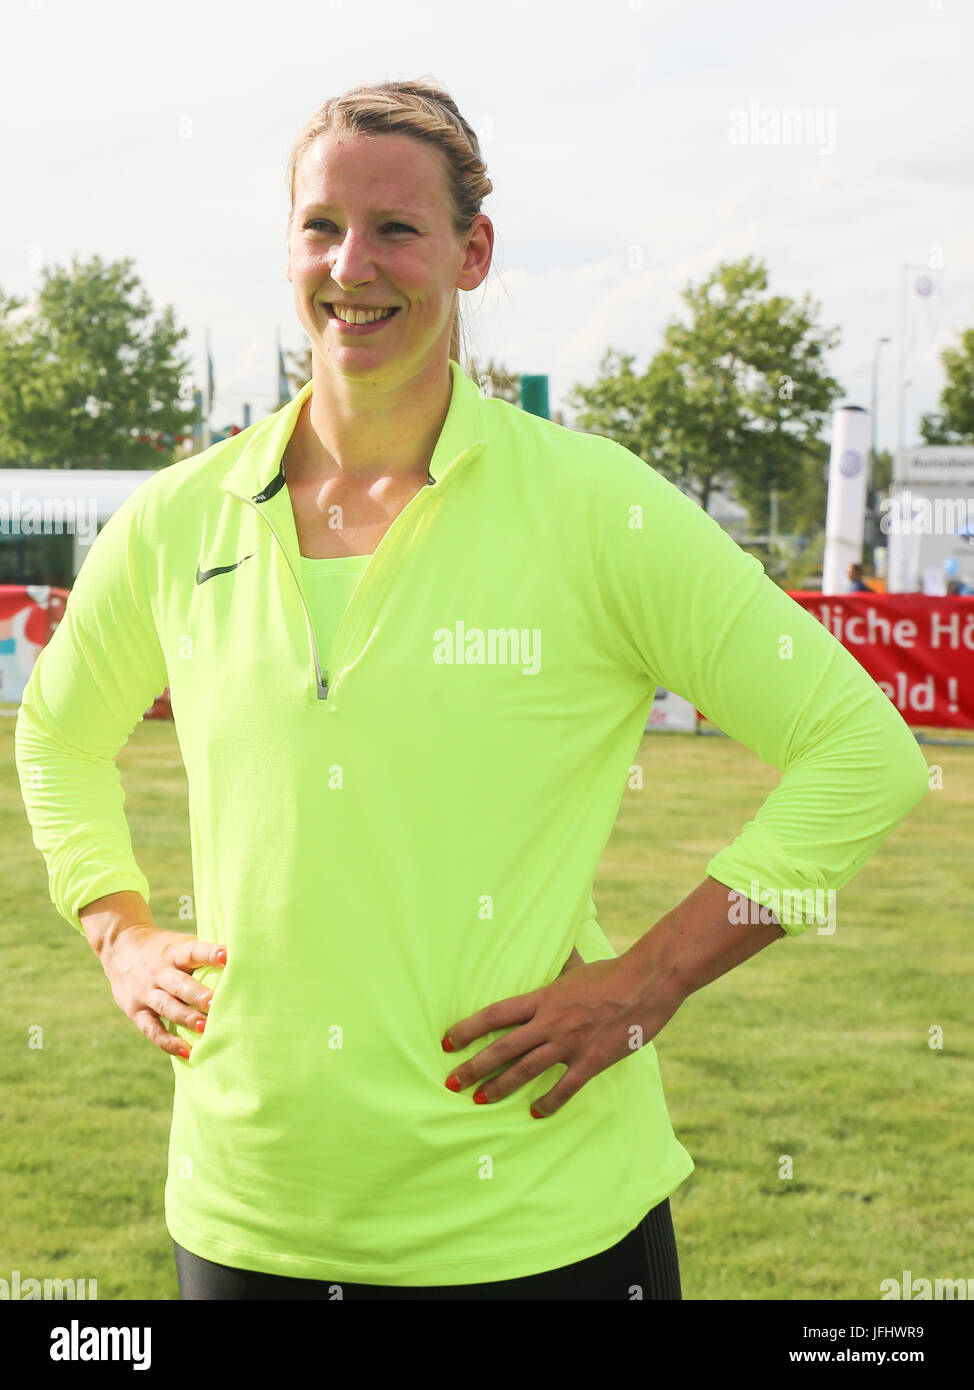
column 735, row 396
column 882, row 479
column 496, row 380
column 84, row 375
column 618, row 406
column 954, row 424
column 297, row 367
column 803, row 502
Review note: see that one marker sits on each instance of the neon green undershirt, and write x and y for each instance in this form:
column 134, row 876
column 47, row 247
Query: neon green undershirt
column 328, row 586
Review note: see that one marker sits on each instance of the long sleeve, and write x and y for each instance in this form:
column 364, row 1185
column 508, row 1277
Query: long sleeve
column 698, row 614
column 89, row 688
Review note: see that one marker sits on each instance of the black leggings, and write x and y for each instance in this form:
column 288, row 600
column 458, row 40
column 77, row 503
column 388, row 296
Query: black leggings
column 642, row 1265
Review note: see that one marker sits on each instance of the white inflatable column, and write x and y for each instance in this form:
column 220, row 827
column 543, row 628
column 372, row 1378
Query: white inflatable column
column 846, row 511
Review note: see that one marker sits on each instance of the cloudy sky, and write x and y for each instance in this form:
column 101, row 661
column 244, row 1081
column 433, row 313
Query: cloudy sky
column 162, row 133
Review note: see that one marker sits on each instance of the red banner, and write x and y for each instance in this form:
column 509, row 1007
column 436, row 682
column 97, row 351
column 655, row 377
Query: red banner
column 28, row 616
column 160, row 707
column 918, row 648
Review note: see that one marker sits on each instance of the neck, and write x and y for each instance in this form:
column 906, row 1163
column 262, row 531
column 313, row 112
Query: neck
column 361, row 430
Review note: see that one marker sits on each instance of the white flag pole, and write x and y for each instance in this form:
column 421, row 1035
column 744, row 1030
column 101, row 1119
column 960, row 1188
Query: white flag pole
column 900, row 374
column 207, row 402
column 896, row 558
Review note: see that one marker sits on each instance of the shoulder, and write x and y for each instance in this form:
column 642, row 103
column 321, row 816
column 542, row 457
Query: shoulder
column 200, row 473
column 547, row 446
column 188, row 488
column 601, row 474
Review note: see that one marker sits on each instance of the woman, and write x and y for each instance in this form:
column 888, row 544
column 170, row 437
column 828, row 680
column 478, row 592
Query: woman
column 411, row 637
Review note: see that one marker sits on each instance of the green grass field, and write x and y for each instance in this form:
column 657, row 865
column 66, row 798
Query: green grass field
column 817, row 1049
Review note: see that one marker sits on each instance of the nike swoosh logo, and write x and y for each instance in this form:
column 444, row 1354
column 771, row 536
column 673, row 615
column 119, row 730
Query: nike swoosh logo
column 203, row 575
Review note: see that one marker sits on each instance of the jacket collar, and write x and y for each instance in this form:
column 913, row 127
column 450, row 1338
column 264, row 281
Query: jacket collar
column 258, row 472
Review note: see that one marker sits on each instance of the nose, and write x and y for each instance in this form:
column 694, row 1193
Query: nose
column 352, row 262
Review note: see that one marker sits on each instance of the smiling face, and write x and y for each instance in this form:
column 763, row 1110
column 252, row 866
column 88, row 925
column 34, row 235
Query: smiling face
column 372, row 229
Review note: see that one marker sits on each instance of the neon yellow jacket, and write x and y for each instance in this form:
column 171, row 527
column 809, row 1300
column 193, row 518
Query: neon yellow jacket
column 390, row 835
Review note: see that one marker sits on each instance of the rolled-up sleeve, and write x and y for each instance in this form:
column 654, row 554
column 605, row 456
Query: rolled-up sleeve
column 699, row 615
column 89, row 687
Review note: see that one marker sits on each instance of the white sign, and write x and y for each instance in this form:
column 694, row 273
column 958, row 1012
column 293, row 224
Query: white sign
column 934, row 581
column 928, row 528
column 671, row 711
column 935, row 465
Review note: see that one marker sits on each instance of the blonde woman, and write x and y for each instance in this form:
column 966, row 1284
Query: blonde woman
column 411, row 636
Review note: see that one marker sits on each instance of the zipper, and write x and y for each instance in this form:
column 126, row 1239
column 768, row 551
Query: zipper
column 365, row 578
column 322, row 684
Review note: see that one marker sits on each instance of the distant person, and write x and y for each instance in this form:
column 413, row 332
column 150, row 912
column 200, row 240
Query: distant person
column 856, row 585
column 424, row 1071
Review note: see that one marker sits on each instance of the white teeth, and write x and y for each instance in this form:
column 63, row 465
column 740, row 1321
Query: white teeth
column 360, row 315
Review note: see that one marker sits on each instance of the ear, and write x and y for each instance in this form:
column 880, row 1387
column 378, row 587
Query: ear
column 479, row 252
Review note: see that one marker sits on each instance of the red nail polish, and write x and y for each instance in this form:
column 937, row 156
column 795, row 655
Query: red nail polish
column 535, row 1114
column 184, row 1052
column 480, row 1097
column 453, row 1083
column 221, row 957
column 447, row 1045
column 200, row 1024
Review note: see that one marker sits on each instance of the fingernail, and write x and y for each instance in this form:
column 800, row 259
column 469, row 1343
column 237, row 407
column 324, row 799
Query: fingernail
column 184, row 1052
column 200, row 1024
column 535, row 1113
column 480, row 1097
column 453, row 1083
column 221, row 957
column 446, row 1044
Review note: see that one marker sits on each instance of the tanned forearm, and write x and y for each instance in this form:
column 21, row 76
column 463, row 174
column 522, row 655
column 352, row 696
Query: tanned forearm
column 701, row 939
